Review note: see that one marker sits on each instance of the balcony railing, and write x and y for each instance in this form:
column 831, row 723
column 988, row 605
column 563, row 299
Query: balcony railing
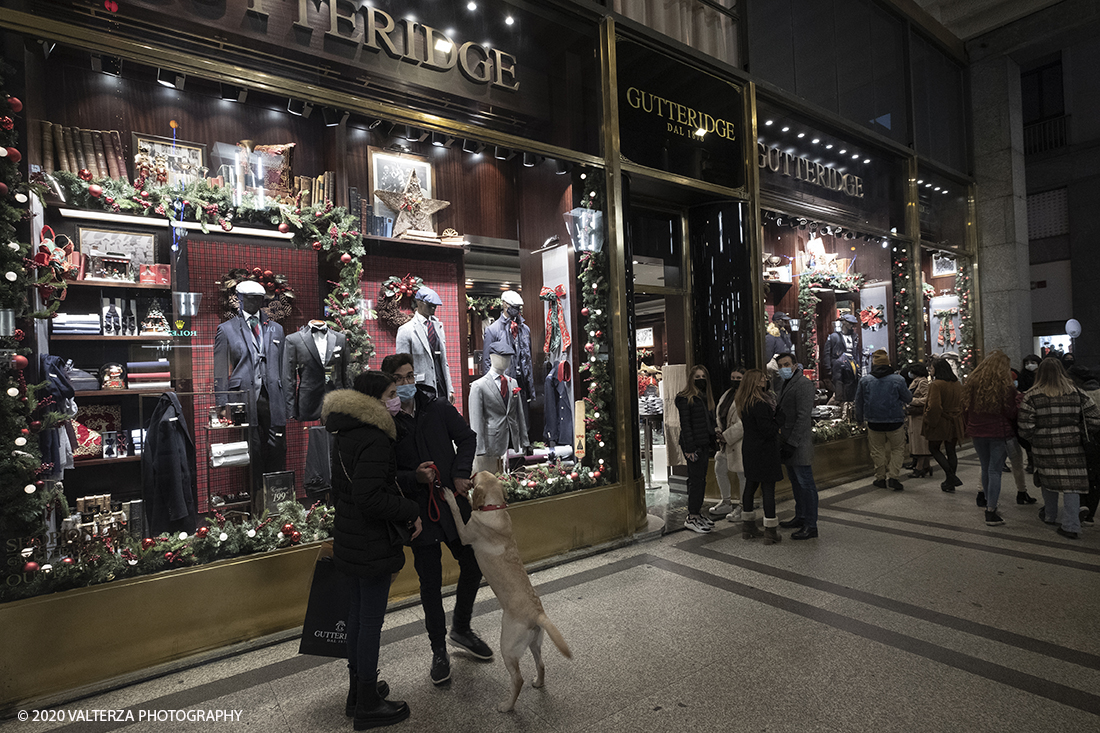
column 1046, row 135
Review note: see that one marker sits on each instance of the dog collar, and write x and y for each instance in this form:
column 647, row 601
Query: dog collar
column 492, row 507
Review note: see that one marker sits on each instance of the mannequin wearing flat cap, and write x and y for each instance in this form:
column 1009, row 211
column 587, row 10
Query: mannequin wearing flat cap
column 778, row 339
column 248, row 356
column 841, row 350
column 511, row 330
column 496, row 412
column 423, row 337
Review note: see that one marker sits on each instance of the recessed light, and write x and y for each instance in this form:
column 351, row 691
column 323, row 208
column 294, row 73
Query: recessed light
column 471, row 6
column 920, row 181
column 509, row 20
column 842, row 152
column 866, row 160
column 816, row 140
column 937, row 188
column 801, row 135
column 829, row 146
column 785, row 129
column 768, row 122
column 855, row 155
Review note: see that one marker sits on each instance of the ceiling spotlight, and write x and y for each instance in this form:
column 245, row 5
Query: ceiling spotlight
column 786, row 129
column 333, row 117
column 105, row 64
column 801, row 135
column 471, row 146
column 373, row 124
column 563, row 167
column 920, row 181
column 826, row 230
column 779, row 221
column 802, row 222
column 442, row 140
column 829, row 146
column 849, row 235
column 855, row 155
column 866, row 160
column 298, row 107
column 47, row 49
column 768, row 123
column 232, row 93
column 471, row 6
column 530, row 160
column 816, row 140
column 842, row 152
column 509, row 20
column 169, row 78
column 414, row 134
column 501, row 153
column 813, row 226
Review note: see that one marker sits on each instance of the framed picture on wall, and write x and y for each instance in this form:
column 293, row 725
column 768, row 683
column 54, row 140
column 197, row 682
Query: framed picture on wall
column 186, row 162
column 943, row 264
column 391, row 172
column 140, row 246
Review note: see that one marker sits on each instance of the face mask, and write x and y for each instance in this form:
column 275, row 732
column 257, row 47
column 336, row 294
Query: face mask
column 406, row 392
column 701, row 385
column 736, row 384
column 1031, row 367
column 393, row 405
column 786, row 372
column 512, row 311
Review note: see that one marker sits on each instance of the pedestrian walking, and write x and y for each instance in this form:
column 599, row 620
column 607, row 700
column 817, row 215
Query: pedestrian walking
column 881, row 397
column 918, row 444
column 991, row 403
column 943, row 423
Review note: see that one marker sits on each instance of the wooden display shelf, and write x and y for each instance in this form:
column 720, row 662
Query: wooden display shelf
column 109, row 392
column 101, row 461
column 117, row 284
column 99, row 337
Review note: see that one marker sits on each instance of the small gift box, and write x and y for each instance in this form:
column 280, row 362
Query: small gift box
column 155, row 274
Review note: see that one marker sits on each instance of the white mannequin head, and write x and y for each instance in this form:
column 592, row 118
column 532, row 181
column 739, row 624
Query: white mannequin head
column 500, row 362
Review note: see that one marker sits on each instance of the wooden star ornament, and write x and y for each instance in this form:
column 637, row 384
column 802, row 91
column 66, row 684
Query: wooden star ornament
column 414, row 211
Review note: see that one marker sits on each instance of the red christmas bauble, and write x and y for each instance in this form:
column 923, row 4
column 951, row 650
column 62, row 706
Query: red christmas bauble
column 35, row 425
column 257, row 271
column 284, row 227
column 67, row 560
column 84, row 174
column 599, row 334
column 268, row 273
column 14, row 155
column 95, row 191
column 20, row 362
column 109, row 200
column 345, row 258
column 3, row 189
column 40, row 484
column 18, row 334
column 30, row 567
column 589, row 347
column 145, row 194
column 317, row 246
column 295, row 536
column 287, row 528
column 16, row 105
column 24, row 431
column 318, row 214
column 168, row 556
column 349, row 312
column 202, row 532
column 584, row 312
column 595, row 474
column 574, row 475
column 147, row 543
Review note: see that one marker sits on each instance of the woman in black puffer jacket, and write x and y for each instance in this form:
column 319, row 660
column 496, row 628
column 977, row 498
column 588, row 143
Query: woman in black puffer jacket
column 364, row 486
column 698, row 441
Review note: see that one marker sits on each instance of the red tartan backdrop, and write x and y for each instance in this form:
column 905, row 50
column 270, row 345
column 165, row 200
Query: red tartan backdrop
column 209, row 262
column 442, row 277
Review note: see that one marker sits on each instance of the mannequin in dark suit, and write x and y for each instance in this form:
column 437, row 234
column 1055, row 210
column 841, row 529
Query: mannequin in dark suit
column 841, row 349
column 253, row 364
column 307, row 377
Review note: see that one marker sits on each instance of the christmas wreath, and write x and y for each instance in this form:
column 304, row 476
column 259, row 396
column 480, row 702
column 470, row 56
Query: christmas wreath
column 395, row 304
column 929, row 291
column 280, row 302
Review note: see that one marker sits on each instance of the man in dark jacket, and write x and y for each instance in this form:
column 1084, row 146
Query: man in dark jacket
column 795, row 399
column 880, row 401
column 431, row 432
column 778, row 339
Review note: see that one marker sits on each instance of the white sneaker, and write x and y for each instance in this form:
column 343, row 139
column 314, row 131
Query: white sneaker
column 695, row 524
column 722, row 508
column 735, row 515
column 707, row 521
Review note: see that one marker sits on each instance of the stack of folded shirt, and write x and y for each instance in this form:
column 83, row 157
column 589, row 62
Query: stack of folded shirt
column 73, row 324
column 149, row 374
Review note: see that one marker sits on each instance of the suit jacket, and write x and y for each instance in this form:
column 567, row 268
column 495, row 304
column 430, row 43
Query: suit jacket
column 521, row 367
column 795, row 402
column 169, row 484
column 498, row 424
column 558, row 404
column 305, row 379
column 412, row 338
column 238, row 365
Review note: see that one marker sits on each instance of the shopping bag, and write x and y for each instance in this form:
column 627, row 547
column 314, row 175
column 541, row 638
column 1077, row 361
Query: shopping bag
column 324, row 632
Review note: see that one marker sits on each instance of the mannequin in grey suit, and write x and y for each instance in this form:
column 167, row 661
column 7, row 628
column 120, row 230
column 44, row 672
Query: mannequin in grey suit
column 497, row 419
column 253, row 364
column 307, row 375
column 415, row 337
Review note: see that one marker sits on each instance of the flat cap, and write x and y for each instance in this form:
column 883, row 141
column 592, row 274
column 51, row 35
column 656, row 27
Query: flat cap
column 250, row 287
column 428, row 295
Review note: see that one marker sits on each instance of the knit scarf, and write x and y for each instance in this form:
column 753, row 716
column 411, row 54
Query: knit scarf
column 557, row 332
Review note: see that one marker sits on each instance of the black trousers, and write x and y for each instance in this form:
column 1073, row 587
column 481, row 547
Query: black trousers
column 697, row 481
column 268, row 442
column 428, row 561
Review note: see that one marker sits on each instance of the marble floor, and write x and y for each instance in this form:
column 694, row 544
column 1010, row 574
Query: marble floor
column 906, row 614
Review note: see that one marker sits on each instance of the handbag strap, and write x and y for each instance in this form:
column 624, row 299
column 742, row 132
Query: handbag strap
column 340, row 456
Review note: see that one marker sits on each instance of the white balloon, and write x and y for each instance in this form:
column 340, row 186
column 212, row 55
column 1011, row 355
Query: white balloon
column 1073, row 328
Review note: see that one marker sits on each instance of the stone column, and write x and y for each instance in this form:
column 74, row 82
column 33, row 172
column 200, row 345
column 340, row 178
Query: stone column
column 1004, row 274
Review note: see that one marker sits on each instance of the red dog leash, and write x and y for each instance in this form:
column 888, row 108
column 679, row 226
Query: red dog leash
column 435, row 491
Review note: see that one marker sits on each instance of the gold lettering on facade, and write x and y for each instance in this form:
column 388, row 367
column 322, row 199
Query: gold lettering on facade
column 807, row 170
column 683, row 120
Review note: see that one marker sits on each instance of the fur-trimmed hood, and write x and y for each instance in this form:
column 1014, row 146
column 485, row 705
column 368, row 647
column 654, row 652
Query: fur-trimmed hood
column 346, row 409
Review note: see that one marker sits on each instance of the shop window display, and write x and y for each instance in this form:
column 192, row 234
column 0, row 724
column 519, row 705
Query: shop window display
column 281, row 286
column 948, row 317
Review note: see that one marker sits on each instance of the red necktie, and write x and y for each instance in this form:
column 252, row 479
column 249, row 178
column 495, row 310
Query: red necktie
column 255, row 327
column 433, row 338
column 504, row 388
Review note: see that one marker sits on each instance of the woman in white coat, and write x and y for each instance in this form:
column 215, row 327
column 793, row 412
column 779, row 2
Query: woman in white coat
column 728, row 459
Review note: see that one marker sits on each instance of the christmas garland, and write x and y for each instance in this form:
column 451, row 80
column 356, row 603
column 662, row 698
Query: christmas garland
column 929, row 291
column 395, row 302
column 549, row 480
column 839, row 430
column 484, row 307
column 279, row 305
column 596, row 369
column 964, row 289
column 807, row 315
column 845, row 282
column 905, row 325
column 946, row 317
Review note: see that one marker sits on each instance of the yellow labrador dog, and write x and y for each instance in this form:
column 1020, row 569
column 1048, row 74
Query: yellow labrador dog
column 490, row 534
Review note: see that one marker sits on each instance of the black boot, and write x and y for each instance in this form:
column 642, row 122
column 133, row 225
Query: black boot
column 373, row 711
column 353, row 692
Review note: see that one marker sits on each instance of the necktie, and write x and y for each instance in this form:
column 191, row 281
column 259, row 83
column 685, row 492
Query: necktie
column 504, row 388
column 433, row 337
column 254, row 323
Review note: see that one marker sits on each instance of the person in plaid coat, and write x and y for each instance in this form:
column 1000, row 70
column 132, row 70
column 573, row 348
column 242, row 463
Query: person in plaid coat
column 1057, row 418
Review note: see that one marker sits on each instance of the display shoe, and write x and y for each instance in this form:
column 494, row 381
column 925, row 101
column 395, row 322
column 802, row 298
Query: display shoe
column 374, row 711
column 771, row 531
column 353, row 692
column 947, row 487
column 471, row 643
column 749, row 530
column 980, row 498
column 793, row 523
column 721, row 509
column 993, row 519
column 441, row 667
column 1022, row 497
column 806, row 533
column 1068, row 535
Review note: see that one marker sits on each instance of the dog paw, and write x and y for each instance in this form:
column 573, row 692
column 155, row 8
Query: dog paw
column 505, row 707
